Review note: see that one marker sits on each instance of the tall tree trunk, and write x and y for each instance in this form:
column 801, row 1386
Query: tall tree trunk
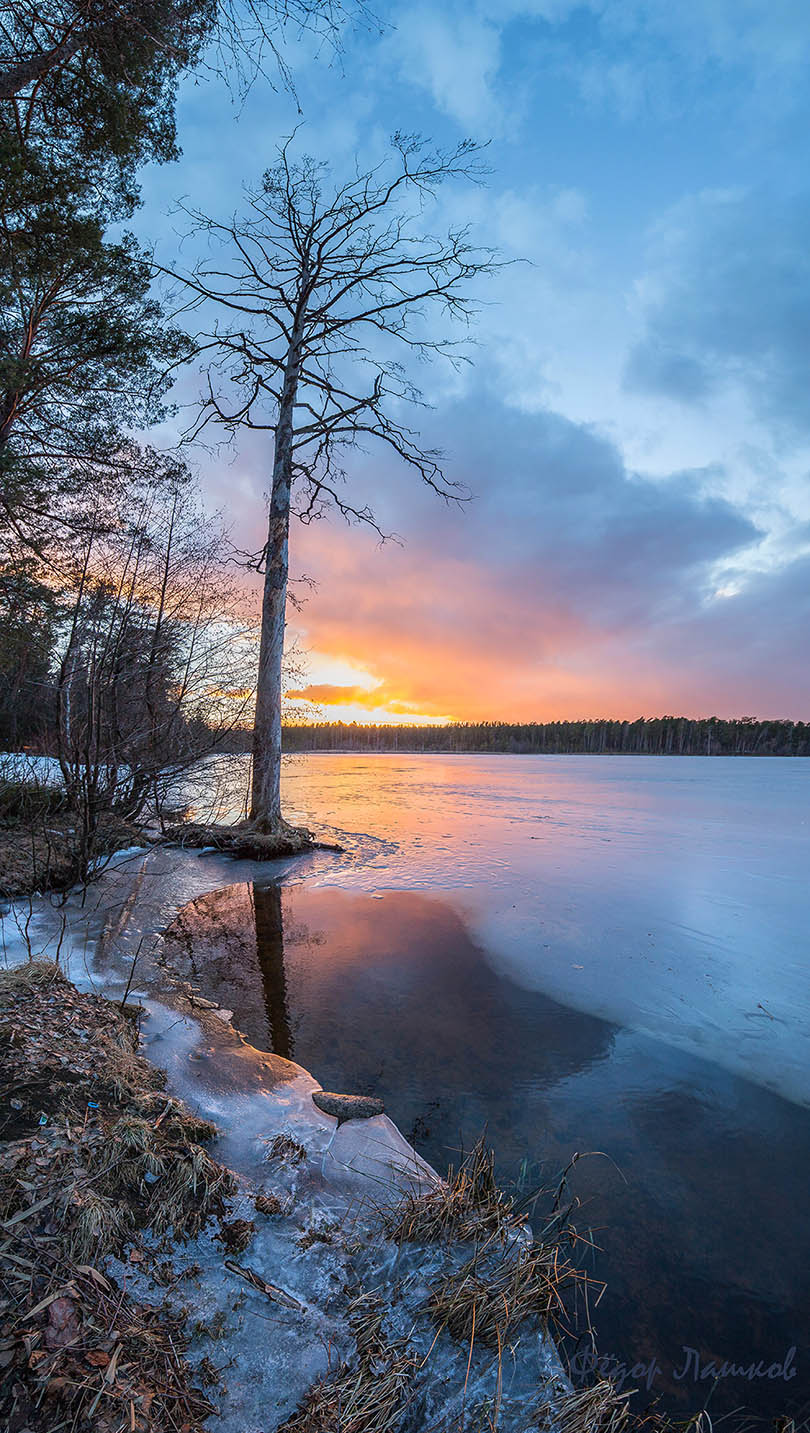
column 265, row 799
column 26, row 72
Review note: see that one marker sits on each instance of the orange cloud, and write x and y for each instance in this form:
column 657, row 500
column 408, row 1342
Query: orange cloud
column 569, row 588
column 354, row 703
column 328, row 694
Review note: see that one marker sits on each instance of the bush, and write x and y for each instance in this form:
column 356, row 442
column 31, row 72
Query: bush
column 27, row 801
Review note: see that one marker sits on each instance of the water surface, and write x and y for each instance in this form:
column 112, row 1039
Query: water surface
column 581, row 954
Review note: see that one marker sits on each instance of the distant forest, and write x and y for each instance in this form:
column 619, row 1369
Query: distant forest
column 656, row 736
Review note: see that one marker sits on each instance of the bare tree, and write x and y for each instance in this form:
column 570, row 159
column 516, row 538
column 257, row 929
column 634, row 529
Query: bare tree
column 321, row 289
column 156, row 665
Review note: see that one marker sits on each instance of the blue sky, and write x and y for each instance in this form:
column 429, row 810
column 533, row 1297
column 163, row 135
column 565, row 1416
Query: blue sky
column 636, row 427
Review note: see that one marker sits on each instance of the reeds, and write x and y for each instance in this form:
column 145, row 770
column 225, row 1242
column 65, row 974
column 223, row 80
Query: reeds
column 487, row 1299
column 467, row 1206
column 600, row 1409
column 367, row 1396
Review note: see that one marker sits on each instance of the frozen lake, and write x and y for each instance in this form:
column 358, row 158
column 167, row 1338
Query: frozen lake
column 582, row 954
column 668, row 894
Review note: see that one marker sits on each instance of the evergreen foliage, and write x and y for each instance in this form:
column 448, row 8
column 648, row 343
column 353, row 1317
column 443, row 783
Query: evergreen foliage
column 658, row 736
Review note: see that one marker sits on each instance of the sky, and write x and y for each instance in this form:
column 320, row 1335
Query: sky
column 634, row 430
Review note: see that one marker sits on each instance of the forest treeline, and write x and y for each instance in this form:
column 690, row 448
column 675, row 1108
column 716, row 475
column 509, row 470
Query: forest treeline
column 657, row 736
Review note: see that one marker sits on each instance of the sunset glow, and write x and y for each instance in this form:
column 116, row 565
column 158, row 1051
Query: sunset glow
column 633, row 429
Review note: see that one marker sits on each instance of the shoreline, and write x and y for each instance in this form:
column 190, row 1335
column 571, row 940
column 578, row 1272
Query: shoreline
column 328, row 1249
column 107, row 942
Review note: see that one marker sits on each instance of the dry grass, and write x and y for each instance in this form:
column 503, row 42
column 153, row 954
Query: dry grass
column 130, row 1156
column 27, row 801
column 192, row 1192
column 604, row 1408
column 92, row 1153
column 367, row 1396
column 236, row 1234
column 599, row 1409
column 96, row 1225
column 267, row 1204
column 39, row 851
column 467, row 1206
column 78, row 1354
column 487, row 1299
column 21, row 979
column 286, row 1149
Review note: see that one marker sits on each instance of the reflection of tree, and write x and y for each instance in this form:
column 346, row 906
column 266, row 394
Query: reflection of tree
column 229, row 944
column 270, row 955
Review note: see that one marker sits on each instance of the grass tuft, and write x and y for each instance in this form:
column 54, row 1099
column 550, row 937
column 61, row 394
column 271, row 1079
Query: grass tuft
column 192, row 1192
column 286, row 1149
column 367, row 1396
column 467, row 1206
column 488, row 1299
column 599, row 1409
column 34, row 975
column 97, row 1225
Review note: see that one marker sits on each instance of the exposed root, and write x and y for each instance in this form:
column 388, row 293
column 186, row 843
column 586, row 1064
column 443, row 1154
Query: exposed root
column 246, row 842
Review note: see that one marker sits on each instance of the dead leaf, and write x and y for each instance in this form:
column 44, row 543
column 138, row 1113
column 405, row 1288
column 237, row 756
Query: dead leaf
column 69, row 1289
column 98, row 1359
column 26, row 1213
column 94, row 1274
column 63, row 1323
column 110, row 1374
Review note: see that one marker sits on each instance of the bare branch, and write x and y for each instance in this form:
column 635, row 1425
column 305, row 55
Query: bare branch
column 321, row 297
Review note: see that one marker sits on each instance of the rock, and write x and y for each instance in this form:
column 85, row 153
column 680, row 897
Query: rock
column 347, row 1107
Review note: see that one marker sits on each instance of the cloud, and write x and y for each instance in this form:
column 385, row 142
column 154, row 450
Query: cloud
column 557, row 592
column 380, row 703
column 573, row 582
column 751, row 650
column 726, row 302
column 455, row 56
column 328, row 694
column 375, row 698
column 628, row 56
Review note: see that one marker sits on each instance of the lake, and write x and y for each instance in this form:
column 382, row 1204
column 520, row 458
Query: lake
column 593, row 955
